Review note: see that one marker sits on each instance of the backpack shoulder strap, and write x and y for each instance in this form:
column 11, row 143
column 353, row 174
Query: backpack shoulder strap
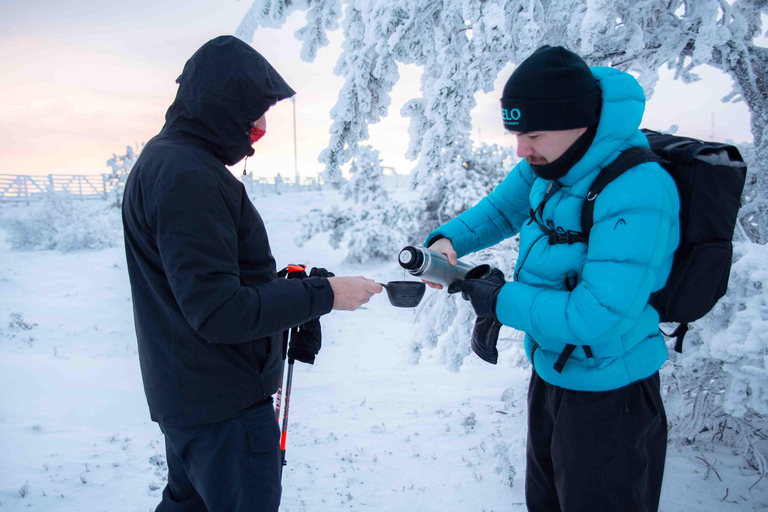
column 627, row 160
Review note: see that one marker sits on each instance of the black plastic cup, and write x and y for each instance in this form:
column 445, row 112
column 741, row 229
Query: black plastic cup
column 405, row 294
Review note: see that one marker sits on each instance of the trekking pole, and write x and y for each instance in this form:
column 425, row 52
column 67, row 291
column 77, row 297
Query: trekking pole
column 284, row 434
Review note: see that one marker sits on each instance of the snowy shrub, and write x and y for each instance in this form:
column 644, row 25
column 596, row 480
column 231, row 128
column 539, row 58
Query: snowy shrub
column 121, row 165
column 717, row 390
column 371, row 222
column 724, row 368
column 747, row 228
column 467, row 175
column 65, row 224
column 444, row 322
column 374, row 234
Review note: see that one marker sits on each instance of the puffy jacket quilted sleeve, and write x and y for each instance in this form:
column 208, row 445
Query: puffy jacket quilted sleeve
column 635, row 224
column 496, row 217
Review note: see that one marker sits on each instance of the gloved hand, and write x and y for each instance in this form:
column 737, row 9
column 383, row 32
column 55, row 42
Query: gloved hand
column 306, row 339
column 485, row 335
column 482, row 293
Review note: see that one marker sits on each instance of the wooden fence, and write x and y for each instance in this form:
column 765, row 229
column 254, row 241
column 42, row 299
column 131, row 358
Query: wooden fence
column 20, row 188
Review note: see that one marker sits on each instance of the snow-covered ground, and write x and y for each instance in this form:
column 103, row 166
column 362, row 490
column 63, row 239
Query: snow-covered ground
column 368, row 431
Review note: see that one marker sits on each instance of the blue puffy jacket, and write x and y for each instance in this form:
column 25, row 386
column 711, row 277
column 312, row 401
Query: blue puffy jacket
column 629, row 255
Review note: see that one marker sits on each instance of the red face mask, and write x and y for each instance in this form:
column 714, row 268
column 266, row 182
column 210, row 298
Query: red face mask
column 256, row 134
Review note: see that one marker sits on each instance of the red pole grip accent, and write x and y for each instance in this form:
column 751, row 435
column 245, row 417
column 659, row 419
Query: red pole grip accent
column 282, row 441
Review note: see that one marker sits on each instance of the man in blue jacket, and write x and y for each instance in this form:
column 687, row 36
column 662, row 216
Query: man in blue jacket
column 597, row 428
column 209, row 308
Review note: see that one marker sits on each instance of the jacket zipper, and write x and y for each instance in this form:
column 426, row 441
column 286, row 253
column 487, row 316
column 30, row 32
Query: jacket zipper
column 554, row 187
column 517, row 274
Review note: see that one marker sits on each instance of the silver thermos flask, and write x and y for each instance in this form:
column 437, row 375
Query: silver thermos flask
column 432, row 266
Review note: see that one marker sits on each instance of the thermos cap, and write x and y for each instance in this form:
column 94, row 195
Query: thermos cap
column 409, row 258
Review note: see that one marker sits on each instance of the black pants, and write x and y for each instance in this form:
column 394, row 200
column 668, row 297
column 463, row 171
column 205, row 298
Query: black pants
column 595, row 451
column 232, row 466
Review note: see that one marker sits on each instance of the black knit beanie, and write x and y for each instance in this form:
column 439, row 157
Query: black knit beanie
column 553, row 89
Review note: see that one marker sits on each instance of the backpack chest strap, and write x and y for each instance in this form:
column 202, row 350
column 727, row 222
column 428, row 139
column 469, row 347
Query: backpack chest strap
column 556, row 235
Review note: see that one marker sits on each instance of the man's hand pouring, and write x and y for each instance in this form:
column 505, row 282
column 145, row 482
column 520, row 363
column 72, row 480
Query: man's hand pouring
column 445, row 247
column 349, row 293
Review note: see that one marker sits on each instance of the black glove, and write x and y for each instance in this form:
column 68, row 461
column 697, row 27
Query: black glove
column 482, row 293
column 485, row 335
column 306, row 339
column 305, row 343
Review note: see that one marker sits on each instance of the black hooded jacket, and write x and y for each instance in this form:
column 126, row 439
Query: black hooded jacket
column 209, row 309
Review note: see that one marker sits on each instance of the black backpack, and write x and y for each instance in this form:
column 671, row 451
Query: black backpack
column 710, row 178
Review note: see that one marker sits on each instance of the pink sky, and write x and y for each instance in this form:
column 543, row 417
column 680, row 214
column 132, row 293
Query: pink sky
column 81, row 80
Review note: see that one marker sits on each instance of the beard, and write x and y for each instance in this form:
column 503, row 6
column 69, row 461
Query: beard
column 536, row 160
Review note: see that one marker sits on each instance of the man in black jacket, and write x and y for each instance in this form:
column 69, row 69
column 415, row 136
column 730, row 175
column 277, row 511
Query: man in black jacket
column 209, row 308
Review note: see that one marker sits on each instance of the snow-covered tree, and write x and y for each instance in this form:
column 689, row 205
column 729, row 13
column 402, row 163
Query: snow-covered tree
column 683, row 34
column 461, row 45
column 64, row 223
column 366, row 183
column 718, row 388
column 466, row 175
column 370, row 221
column 121, row 165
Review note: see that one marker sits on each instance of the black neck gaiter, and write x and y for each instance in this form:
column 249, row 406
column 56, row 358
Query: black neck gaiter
column 560, row 167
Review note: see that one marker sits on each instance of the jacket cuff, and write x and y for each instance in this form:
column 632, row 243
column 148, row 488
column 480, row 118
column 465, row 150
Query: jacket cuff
column 322, row 295
column 456, row 231
column 513, row 305
column 432, row 239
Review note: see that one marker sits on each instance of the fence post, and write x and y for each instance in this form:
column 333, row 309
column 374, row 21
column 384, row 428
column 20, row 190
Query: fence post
column 26, row 192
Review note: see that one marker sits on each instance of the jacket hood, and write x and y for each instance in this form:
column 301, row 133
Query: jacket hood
column 623, row 103
column 224, row 86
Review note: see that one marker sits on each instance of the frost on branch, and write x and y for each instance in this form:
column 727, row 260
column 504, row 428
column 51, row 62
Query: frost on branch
column 121, row 165
column 717, row 390
column 461, row 45
column 369, row 221
column 322, row 16
column 468, row 174
column 370, row 73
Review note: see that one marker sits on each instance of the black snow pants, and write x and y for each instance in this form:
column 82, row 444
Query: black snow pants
column 232, row 465
column 595, row 451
